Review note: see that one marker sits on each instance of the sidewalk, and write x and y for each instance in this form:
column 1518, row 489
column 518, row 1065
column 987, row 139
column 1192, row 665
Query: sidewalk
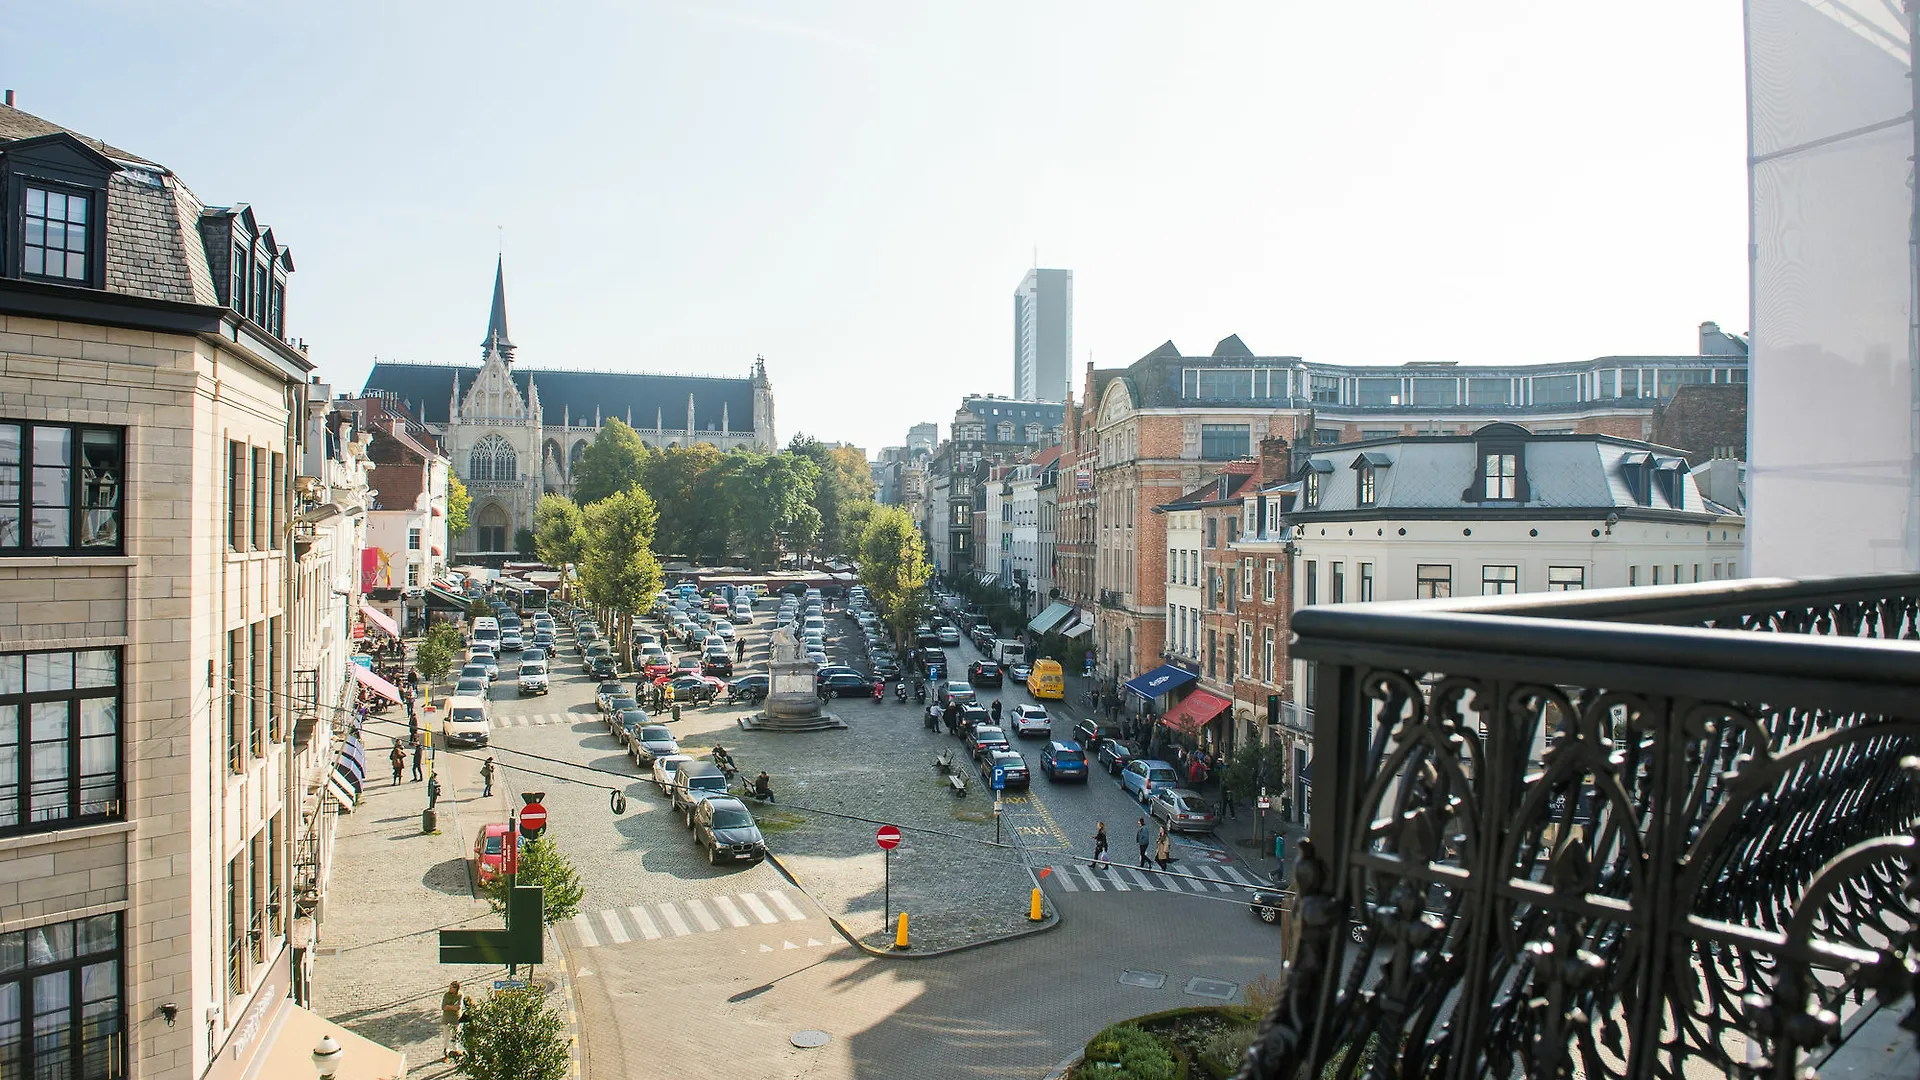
column 377, row 970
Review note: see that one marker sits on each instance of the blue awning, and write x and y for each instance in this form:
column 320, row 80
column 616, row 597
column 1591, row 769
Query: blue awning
column 1160, row 680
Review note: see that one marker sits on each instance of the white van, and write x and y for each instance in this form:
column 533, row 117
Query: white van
column 465, row 722
column 487, row 628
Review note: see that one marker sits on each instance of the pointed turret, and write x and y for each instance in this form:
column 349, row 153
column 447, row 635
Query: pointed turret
column 497, row 337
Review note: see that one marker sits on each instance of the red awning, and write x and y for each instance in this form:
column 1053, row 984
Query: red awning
column 378, row 618
column 375, row 683
column 437, row 512
column 1195, row 710
column 436, row 550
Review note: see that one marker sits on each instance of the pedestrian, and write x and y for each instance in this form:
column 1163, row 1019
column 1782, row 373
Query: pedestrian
column 739, row 649
column 416, row 762
column 1163, row 851
column 433, row 790
column 996, row 710
column 399, row 759
column 413, row 729
column 1226, row 797
column 486, row 778
column 1100, row 845
column 450, row 1005
column 1144, row 839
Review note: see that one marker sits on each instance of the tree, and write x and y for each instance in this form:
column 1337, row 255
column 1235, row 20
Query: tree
column 458, row 501
column 435, row 656
column 523, row 543
column 681, row 480
column 617, row 564
column 770, row 498
column 558, row 531
column 613, row 462
column 894, row 568
column 543, row 864
column 479, row 609
column 515, row 1034
column 843, row 489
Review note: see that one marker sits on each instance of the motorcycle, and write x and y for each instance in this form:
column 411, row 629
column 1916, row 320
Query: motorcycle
column 920, row 693
column 900, row 692
column 879, row 691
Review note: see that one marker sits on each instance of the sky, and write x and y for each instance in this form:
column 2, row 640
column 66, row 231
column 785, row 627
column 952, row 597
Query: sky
column 854, row 189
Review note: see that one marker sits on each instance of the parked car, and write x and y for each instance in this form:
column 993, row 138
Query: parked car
column 629, row 722
column 985, row 673
column 657, row 667
column 694, row 783
column 1063, row 761
column 664, row 766
column 606, row 692
column 749, row 688
column 725, row 828
column 956, row 691
column 1091, row 733
column 533, row 677
column 1013, row 769
column 741, row 616
column 618, row 707
column 1112, row 755
column 833, row 669
column 723, row 631
column 687, row 665
column 841, row 684
column 972, row 715
column 1143, row 776
column 697, row 689
column 985, row 738
column 1020, row 672
column 949, row 635
column 651, row 741
column 717, row 664
column 472, row 686
column 1183, row 809
column 602, row 667
column 483, row 656
column 495, row 854
column 1032, row 720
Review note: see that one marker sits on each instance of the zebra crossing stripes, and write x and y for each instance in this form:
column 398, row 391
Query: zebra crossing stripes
column 542, row 719
column 683, row 918
column 1082, row 877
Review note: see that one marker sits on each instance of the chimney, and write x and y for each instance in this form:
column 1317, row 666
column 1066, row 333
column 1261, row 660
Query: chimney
column 1275, row 464
column 9, row 99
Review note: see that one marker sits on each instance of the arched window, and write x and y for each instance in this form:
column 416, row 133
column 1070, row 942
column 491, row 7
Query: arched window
column 1033, row 433
column 492, row 522
column 1004, row 431
column 492, row 459
column 573, row 456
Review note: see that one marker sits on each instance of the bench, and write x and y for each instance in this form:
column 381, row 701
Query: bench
column 943, row 763
column 958, row 783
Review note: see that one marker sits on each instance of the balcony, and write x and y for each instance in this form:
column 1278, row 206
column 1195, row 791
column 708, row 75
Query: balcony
column 1112, row 598
column 1630, row 833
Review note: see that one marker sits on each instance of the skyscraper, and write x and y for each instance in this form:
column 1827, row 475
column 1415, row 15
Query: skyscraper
column 1042, row 335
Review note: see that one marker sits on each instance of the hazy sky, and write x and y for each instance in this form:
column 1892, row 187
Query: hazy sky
column 855, row 189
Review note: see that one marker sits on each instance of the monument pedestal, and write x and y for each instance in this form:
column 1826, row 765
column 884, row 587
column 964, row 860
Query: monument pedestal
column 793, row 701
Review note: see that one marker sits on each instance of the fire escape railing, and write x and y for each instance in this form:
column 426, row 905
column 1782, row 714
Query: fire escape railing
column 1608, row 834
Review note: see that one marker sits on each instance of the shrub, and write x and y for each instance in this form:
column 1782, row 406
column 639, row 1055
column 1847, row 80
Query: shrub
column 1223, row 1047
column 1139, row 1055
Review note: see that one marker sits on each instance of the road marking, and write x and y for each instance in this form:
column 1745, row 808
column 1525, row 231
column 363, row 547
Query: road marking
column 1116, row 877
column 583, row 926
column 674, row 922
column 725, row 904
column 1092, row 879
column 758, row 908
column 1140, row 880
column 700, row 915
column 1218, row 885
column 1189, row 883
column 788, row 945
column 1236, row 877
column 1065, row 879
column 785, row 905
column 615, row 930
column 645, row 922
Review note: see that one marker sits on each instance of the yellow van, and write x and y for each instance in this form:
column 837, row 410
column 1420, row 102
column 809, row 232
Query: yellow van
column 1046, row 680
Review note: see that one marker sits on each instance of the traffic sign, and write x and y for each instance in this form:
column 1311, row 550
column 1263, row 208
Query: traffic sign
column 999, row 778
column 533, row 817
column 887, row 837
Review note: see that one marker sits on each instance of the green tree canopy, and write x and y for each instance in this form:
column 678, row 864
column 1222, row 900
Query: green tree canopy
column 614, row 461
column 617, row 564
column 894, row 568
column 436, row 654
column 682, row 481
column 545, row 865
column 514, row 1034
column 559, row 529
column 458, row 502
column 843, row 490
column 769, row 499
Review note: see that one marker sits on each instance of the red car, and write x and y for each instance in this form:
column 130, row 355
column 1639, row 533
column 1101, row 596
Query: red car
column 717, row 605
column 494, row 853
column 659, row 667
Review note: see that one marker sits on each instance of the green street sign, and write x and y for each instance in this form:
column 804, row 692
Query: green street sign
column 522, row 942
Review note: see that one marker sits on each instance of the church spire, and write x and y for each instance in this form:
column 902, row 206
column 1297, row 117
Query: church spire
column 497, row 318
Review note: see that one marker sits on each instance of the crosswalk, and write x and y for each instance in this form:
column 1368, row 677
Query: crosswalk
column 543, row 719
column 1179, row 878
column 681, row 918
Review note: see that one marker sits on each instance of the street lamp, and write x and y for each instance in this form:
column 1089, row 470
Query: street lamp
column 327, row 1055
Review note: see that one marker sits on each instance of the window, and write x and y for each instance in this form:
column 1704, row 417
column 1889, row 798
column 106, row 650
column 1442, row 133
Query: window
column 1213, row 532
column 60, row 488
column 1633, row 575
column 262, row 505
column 53, row 240
column 1225, row 442
column 1675, row 579
column 1716, row 571
column 277, row 518
column 1378, row 391
column 59, row 738
column 1266, row 655
column 1365, row 496
column 1656, row 573
column 1326, row 391
column 1566, row 578
column 237, row 295
column 1366, row 582
column 1436, row 392
column 1337, row 585
column 1696, row 573
column 1311, row 491
column 1555, row 389
column 1312, row 583
column 276, row 308
column 236, row 699
column 1216, row 384
column 1502, row 475
column 1246, row 648
column 256, row 689
column 1499, row 580
column 1173, row 566
column 274, row 677
column 62, row 982
column 1489, row 391
column 1246, row 578
column 491, row 460
column 1270, row 579
column 413, row 539
column 1230, row 590
column 1433, row 581
column 1326, row 437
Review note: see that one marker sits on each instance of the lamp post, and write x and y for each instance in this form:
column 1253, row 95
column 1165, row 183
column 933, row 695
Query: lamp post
column 327, row 1055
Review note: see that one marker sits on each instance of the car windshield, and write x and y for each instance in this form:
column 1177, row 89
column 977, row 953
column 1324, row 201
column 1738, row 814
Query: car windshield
column 1160, row 774
column 471, row 687
column 708, row 782
column 469, row 716
column 493, row 845
column 533, row 667
column 655, row 734
column 730, row 818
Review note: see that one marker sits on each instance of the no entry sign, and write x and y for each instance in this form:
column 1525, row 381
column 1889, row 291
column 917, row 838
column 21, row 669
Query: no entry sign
column 533, row 816
column 887, row 837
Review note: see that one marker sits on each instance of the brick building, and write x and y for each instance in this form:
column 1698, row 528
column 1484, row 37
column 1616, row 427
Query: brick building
column 1704, row 421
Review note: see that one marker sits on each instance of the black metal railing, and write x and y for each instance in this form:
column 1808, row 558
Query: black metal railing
column 1613, row 834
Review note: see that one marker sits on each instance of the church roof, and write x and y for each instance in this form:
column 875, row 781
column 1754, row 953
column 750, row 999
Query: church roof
column 578, row 394
column 497, row 318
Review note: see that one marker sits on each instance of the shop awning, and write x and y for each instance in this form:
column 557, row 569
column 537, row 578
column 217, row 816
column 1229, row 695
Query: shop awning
column 1077, row 630
column 290, row 1050
column 342, row 791
column 354, row 750
column 376, row 617
column 350, row 773
column 1044, row 622
column 375, row 683
column 439, row 599
column 1160, row 680
column 989, row 579
column 1195, row 711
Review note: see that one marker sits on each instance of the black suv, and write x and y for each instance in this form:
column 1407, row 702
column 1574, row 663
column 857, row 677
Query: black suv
column 1090, row 733
column 984, row 673
column 717, row 664
column 602, row 668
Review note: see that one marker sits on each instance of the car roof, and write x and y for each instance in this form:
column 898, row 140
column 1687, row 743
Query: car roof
column 719, row 801
column 1184, row 792
column 462, row 701
column 1151, row 762
column 706, row 769
column 1060, row 747
column 496, row 828
column 995, row 728
column 1028, row 707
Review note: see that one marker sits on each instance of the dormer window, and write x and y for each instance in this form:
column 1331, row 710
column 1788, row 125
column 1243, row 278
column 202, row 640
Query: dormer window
column 1501, row 475
column 54, row 240
column 1500, row 465
column 1367, row 466
column 1368, row 486
column 54, row 191
column 1311, row 490
column 238, row 296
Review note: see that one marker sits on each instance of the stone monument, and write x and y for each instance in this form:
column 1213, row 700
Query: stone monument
column 793, row 702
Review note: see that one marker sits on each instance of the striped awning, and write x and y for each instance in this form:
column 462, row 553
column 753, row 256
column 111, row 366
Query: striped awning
column 375, row 617
column 375, row 683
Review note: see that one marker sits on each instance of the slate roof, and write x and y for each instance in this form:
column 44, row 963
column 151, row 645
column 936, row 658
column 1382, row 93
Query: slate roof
column 1564, row 472
column 428, row 388
column 1233, row 479
column 15, row 124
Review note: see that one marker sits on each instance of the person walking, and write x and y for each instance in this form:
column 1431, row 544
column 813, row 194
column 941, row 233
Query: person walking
column 450, row 1005
column 486, row 779
column 1144, row 839
column 398, row 758
column 996, row 710
column 1163, row 851
column 1226, row 797
column 416, row 762
column 739, row 649
column 1100, row 846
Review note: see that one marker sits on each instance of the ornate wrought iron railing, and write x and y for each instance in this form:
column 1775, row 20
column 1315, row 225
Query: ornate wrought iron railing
column 1607, row 834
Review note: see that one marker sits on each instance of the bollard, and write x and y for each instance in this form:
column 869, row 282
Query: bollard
column 900, row 935
column 1034, row 913
column 429, row 820
column 676, row 710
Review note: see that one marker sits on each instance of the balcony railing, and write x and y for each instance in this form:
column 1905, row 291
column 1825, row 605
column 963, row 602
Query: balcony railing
column 1606, row 834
